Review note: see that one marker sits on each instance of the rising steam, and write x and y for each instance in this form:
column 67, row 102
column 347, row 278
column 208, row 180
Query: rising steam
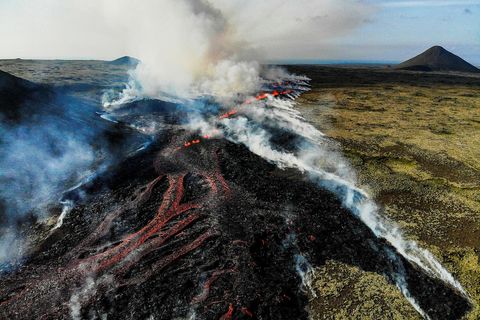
column 37, row 160
column 192, row 48
column 212, row 59
column 190, row 51
column 315, row 156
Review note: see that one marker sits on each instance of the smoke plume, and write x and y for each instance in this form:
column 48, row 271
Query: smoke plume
column 56, row 144
column 191, row 48
column 316, row 156
column 224, row 42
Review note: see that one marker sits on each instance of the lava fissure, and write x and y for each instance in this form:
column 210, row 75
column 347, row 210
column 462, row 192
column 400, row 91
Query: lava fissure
column 218, row 210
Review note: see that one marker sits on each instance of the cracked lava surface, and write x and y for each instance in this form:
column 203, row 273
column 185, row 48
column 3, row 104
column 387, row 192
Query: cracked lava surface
column 198, row 228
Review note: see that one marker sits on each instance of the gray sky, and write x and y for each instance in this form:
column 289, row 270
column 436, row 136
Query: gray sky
column 278, row 29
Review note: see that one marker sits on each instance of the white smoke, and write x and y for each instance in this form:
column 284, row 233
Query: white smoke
column 190, row 48
column 67, row 207
column 83, row 295
column 186, row 48
column 306, row 273
column 36, row 162
column 327, row 167
column 75, row 303
column 399, row 276
column 12, row 248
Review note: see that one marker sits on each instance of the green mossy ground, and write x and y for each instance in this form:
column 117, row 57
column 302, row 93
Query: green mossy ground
column 416, row 148
column 345, row 292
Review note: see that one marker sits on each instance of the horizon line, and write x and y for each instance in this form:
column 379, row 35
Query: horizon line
column 285, row 61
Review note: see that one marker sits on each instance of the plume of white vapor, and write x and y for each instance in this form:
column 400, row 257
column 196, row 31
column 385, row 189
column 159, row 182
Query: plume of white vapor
column 190, row 48
column 106, row 29
column 84, row 293
column 75, row 303
column 332, row 171
column 306, row 273
column 186, row 48
column 67, row 207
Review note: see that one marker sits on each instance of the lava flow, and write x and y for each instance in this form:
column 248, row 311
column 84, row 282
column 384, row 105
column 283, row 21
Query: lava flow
column 205, row 232
column 232, row 112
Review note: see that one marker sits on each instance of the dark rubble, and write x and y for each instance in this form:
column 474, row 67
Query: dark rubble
column 211, row 230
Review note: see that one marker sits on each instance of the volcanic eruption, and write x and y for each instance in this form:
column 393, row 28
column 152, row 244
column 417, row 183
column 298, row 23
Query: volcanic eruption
column 195, row 226
column 224, row 211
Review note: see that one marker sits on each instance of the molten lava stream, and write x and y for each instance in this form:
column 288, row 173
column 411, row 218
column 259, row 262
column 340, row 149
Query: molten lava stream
column 159, row 229
column 159, row 265
column 228, row 315
column 106, row 224
column 234, row 111
column 169, row 209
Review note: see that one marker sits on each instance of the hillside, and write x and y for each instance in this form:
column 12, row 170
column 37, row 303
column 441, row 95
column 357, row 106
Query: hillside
column 437, row 59
column 126, row 60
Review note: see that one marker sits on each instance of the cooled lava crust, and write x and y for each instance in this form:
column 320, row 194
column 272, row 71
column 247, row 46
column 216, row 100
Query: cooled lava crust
column 211, row 230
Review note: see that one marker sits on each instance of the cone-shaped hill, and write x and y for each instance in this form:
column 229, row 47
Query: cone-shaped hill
column 437, row 59
column 125, row 61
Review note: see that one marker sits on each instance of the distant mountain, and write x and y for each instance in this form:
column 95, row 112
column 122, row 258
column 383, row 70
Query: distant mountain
column 125, row 61
column 437, row 59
